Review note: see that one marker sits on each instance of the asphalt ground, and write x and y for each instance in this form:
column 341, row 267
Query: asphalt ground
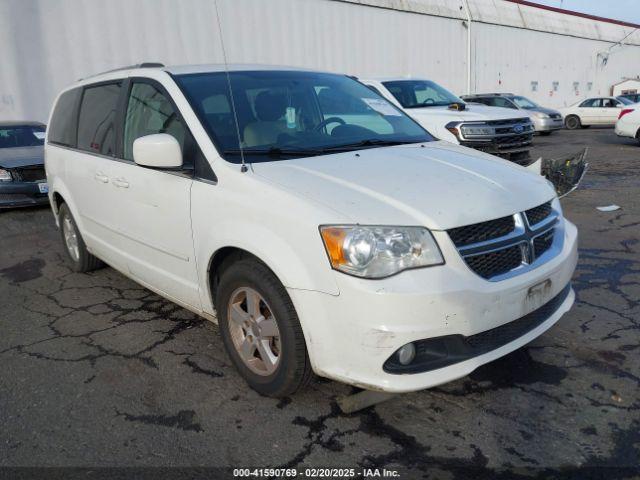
column 96, row 371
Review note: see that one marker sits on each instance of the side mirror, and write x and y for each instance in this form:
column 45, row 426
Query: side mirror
column 159, row 150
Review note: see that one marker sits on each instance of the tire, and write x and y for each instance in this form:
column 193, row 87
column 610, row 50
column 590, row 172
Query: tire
column 81, row 260
column 241, row 278
column 572, row 122
column 638, row 136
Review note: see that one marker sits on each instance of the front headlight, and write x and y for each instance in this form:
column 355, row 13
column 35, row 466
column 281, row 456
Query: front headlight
column 5, row 176
column 377, row 252
column 540, row 115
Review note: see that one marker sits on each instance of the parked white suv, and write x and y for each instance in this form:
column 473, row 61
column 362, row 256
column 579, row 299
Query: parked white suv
column 495, row 130
column 324, row 229
column 628, row 124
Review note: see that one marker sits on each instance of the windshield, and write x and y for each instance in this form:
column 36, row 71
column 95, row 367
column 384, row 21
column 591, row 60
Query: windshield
column 285, row 114
column 21, row 136
column 420, row 93
column 626, row 101
column 523, row 102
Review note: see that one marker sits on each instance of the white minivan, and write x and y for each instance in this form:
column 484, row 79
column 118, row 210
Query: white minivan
column 321, row 227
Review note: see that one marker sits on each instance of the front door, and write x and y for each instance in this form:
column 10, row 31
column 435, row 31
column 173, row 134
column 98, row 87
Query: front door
column 589, row 111
column 154, row 205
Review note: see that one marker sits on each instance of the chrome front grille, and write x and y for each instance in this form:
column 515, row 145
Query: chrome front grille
column 507, row 246
column 481, row 232
column 538, row 214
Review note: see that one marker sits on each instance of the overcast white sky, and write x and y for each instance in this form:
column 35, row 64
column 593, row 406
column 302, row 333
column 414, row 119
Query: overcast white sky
column 625, row 10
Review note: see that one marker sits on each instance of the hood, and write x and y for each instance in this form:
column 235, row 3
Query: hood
column 440, row 185
column 21, row 156
column 473, row 112
column 548, row 111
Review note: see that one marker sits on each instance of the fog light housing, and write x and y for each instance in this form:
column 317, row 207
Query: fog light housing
column 406, row 354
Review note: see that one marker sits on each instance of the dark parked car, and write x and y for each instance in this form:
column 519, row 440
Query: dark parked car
column 634, row 97
column 23, row 181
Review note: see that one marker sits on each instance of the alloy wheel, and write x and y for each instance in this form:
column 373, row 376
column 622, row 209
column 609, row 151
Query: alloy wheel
column 71, row 238
column 254, row 331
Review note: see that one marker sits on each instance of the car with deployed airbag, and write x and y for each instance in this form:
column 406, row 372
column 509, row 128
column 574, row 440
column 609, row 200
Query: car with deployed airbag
column 323, row 229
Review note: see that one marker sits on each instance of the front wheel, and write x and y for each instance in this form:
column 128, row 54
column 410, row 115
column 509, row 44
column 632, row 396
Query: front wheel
column 260, row 329
column 572, row 122
column 81, row 259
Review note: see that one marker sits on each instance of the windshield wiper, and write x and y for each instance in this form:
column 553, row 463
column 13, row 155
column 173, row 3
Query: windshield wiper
column 272, row 152
column 366, row 143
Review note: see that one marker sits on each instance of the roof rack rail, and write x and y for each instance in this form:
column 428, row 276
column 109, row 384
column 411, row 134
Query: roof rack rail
column 128, row 67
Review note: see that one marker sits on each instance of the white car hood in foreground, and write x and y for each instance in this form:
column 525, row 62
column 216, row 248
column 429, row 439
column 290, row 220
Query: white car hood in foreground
column 472, row 113
column 440, row 185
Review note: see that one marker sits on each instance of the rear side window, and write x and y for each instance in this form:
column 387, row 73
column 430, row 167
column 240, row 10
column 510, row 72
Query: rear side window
column 62, row 129
column 501, row 102
column 591, row 103
column 96, row 122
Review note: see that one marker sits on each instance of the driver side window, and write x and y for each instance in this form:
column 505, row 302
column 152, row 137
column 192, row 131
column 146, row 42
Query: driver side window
column 150, row 112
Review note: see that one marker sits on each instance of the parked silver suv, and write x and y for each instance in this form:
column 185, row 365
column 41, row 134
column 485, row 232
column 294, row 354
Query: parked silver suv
column 545, row 120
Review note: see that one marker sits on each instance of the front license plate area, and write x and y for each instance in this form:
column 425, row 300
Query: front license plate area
column 43, row 187
column 538, row 295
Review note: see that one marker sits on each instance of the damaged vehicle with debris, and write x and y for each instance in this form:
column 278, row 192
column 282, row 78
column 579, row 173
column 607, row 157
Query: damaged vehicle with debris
column 322, row 228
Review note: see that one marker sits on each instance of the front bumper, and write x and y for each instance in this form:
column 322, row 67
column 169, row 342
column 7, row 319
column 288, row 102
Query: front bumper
column 548, row 124
column 21, row 194
column 350, row 336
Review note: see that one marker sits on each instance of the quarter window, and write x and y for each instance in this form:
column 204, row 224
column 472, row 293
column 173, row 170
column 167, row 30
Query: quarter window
column 96, row 122
column 62, row 129
column 149, row 111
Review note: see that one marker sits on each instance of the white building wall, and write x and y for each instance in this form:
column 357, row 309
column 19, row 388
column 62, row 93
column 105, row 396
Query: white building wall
column 48, row 44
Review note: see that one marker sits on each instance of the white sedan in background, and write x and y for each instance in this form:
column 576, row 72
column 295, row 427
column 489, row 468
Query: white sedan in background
column 593, row 111
column 628, row 124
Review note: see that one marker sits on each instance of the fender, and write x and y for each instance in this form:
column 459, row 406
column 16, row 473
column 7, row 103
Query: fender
column 311, row 272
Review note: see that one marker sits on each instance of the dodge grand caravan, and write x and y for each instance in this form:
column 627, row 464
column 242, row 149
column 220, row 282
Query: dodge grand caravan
column 321, row 227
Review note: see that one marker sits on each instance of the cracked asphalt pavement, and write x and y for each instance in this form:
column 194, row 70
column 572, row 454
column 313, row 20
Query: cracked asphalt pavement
column 96, row 371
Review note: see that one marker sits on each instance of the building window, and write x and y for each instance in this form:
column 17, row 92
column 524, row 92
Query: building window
column 534, row 86
column 555, row 86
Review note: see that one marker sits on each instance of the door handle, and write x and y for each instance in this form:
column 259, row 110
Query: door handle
column 101, row 177
column 121, row 183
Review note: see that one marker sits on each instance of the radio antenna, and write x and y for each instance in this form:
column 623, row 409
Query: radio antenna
column 243, row 168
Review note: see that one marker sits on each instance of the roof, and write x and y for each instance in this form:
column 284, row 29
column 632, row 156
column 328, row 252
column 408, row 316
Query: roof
column 232, row 67
column 493, row 94
column 18, row 123
column 574, row 13
column 394, row 79
column 627, row 80
column 139, row 69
